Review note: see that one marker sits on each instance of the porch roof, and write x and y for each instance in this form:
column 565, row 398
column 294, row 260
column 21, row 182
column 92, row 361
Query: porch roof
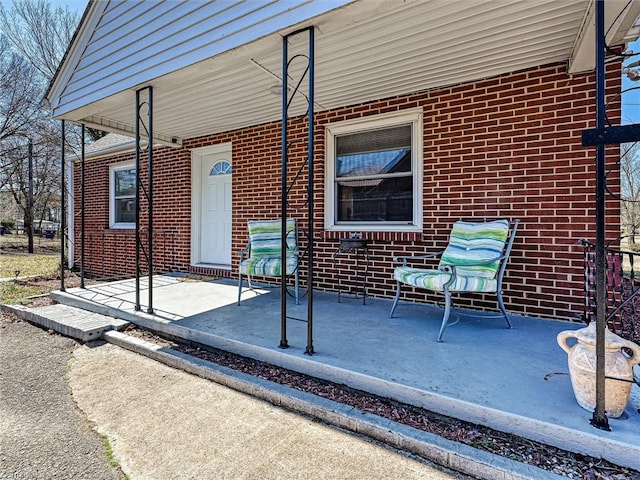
column 213, row 69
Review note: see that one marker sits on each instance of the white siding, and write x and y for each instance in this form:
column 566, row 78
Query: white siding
column 137, row 41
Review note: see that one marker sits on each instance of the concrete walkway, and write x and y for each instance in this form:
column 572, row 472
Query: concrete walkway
column 167, row 424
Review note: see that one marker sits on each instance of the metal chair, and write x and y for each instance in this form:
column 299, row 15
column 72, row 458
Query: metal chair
column 263, row 254
column 474, row 261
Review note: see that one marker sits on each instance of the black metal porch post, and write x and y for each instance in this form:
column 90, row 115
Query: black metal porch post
column 599, row 419
column 29, row 216
column 82, row 206
column 283, row 197
column 137, row 239
column 287, row 100
column 147, row 126
column 150, row 195
column 310, row 278
column 63, row 209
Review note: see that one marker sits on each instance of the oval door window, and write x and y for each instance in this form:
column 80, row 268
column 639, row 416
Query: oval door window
column 223, row 167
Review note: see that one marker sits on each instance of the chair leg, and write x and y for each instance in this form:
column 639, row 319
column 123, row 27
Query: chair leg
column 239, row 286
column 395, row 301
column 502, row 308
column 447, row 312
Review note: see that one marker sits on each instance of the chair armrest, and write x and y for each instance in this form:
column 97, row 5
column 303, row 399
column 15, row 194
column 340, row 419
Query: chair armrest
column 244, row 252
column 450, row 269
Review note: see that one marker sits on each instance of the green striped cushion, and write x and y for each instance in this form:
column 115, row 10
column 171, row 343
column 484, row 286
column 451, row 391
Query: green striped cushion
column 435, row 280
column 265, row 238
column 268, row 266
column 472, row 243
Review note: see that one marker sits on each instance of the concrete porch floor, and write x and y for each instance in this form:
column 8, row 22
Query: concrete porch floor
column 512, row 380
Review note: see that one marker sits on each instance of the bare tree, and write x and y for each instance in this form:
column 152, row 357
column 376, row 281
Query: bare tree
column 19, row 110
column 630, row 188
column 19, row 92
column 33, row 39
column 39, row 32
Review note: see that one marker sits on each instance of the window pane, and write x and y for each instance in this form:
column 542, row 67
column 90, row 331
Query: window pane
column 378, row 200
column 373, row 163
column 125, row 210
column 125, row 182
column 374, row 152
column 380, row 139
column 222, row 167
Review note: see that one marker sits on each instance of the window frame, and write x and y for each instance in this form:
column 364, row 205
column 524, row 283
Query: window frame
column 363, row 124
column 112, row 195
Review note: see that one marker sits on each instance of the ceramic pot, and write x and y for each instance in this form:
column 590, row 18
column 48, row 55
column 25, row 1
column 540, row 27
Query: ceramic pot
column 582, row 367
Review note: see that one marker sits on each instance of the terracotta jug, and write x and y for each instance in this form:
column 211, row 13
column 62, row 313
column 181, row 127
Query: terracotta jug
column 582, row 367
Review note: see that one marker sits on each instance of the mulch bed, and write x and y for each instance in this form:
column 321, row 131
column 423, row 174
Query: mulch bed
column 517, row 448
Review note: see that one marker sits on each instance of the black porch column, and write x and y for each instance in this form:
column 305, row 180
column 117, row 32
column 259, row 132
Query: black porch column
column 599, row 419
column 82, row 206
column 144, row 123
column 303, row 72
column 63, row 209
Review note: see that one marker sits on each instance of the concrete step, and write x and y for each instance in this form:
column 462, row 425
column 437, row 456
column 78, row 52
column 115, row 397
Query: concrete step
column 70, row 321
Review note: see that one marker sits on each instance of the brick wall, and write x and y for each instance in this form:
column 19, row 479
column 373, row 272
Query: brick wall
column 503, row 147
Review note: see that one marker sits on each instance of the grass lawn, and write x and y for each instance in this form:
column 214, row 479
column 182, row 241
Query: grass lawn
column 28, row 265
column 19, row 293
column 14, row 261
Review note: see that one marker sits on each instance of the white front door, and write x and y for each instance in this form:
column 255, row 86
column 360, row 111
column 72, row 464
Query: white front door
column 215, row 207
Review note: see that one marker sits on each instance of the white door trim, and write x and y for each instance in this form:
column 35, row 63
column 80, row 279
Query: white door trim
column 196, row 197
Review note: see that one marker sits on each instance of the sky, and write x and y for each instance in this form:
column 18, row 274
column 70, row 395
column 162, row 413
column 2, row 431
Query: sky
column 631, row 98
column 78, row 5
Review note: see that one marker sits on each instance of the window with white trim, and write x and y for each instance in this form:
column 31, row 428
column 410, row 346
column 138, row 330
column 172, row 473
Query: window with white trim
column 374, row 173
column 122, row 196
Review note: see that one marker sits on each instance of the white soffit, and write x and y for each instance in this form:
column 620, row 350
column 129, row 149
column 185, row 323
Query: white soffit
column 365, row 51
column 620, row 24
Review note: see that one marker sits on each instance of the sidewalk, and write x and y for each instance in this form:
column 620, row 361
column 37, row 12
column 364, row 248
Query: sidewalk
column 166, row 424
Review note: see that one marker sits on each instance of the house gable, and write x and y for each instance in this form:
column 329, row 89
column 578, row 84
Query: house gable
column 124, row 44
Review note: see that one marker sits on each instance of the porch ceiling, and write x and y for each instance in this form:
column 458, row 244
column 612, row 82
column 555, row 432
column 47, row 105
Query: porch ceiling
column 365, row 51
